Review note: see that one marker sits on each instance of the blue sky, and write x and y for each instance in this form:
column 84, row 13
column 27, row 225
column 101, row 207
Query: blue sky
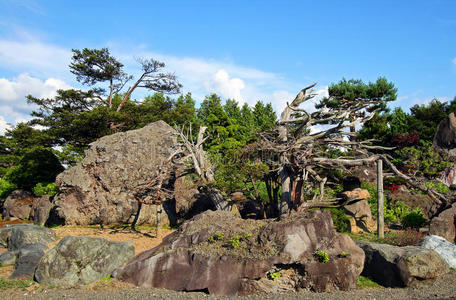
column 247, row 50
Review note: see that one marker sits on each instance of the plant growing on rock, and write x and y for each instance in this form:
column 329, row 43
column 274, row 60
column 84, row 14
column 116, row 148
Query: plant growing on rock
column 274, row 275
column 322, row 256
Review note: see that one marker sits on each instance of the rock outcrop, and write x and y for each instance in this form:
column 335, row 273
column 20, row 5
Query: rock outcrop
column 394, row 266
column 18, row 205
column 444, row 248
column 358, row 211
column 444, row 224
column 82, row 260
column 222, row 254
column 26, row 244
column 100, row 189
column 445, row 138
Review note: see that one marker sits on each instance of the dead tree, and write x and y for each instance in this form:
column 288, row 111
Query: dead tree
column 303, row 151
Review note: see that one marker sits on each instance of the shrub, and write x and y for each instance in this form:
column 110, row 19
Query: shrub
column 41, row 189
column 395, row 212
column 6, row 188
column 414, row 219
column 274, row 275
column 322, row 256
column 37, row 165
column 438, row 186
column 340, row 219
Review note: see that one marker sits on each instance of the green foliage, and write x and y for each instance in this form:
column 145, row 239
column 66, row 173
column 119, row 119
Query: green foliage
column 421, row 160
column 414, row 219
column 41, row 189
column 274, row 275
column 106, row 279
column 6, row 188
column 345, row 254
column 364, row 282
column 22, row 283
column 438, row 186
column 235, row 241
column 372, row 200
column 216, row 237
column 322, row 256
column 37, row 165
column 395, row 212
column 340, row 219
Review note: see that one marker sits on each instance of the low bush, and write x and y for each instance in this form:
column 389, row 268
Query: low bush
column 414, row 219
column 41, row 189
column 6, row 188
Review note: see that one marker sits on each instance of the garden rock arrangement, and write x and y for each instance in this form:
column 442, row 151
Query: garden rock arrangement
column 100, row 189
column 18, row 205
column 358, row 211
column 222, row 254
column 82, row 260
column 443, row 247
column 445, row 138
column 26, row 244
column 394, row 266
column 444, row 224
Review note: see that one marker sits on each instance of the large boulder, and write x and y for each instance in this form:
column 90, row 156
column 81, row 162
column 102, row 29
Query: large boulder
column 443, row 247
column 394, row 266
column 82, row 260
column 360, row 217
column 449, row 176
column 16, row 236
column 444, row 224
column 26, row 245
column 222, row 254
column 445, row 138
column 100, row 189
column 18, row 205
column 41, row 210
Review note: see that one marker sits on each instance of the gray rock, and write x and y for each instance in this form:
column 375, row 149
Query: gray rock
column 82, row 260
column 394, row 266
column 27, row 259
column 101, row 188
column 226, row 255
column 8, row 258
column 22, row 234
column 443, row 247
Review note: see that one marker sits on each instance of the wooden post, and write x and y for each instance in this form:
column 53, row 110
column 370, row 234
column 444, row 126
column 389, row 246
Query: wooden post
column 380, row 215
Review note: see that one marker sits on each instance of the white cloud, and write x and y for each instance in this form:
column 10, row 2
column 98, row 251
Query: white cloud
column 225, row 86
column 33, row 56
column 3, row 125
column 13, row 104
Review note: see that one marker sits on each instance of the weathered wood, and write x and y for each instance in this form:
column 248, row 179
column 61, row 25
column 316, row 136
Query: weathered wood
column 380, row 214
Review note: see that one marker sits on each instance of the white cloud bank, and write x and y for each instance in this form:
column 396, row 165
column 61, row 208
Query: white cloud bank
column 13, row 104
column 43, row 69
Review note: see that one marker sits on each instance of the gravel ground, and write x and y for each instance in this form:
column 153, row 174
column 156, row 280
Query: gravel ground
column 443, row 288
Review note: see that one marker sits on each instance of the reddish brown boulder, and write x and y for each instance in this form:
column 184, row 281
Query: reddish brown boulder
column 18, row 205
column 222, row 254
column 444, row 224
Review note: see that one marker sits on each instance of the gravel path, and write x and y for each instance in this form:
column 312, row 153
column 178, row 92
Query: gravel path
column 443, row 288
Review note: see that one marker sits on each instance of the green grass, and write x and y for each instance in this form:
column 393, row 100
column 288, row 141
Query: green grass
column 364, row 282
column 6, row 284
